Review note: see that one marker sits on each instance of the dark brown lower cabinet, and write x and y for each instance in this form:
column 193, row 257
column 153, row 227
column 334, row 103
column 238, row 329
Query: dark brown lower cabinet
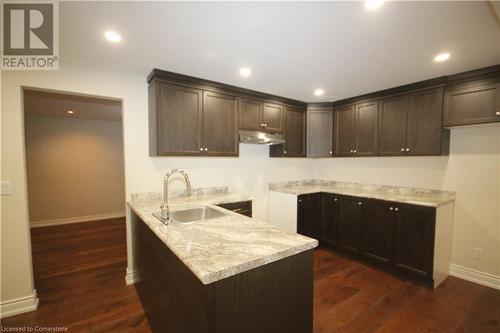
column 378, row 231
column 351, row 214
column 276, row 297
column 330, row 223
column 414, row 239
column 309, row 216
column 398, row 237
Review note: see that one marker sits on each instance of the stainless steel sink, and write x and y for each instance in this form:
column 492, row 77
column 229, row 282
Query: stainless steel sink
column 191, row 215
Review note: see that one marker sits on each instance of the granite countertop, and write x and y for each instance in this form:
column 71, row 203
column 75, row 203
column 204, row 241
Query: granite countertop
column 409, row 195
column 222, row 247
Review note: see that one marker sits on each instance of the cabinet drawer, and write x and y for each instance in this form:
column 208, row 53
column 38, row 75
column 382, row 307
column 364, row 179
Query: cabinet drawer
column 242, row 207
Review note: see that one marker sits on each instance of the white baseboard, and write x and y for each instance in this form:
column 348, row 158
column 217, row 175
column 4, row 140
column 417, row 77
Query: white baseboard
column 130, row 277
column 88, row 218
column 19, row 305
column 469, row 274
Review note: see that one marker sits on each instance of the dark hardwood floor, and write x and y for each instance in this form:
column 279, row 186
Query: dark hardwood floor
column 80, row 269
column 80, row 279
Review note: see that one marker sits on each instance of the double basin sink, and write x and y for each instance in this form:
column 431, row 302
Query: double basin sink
column 192, row 215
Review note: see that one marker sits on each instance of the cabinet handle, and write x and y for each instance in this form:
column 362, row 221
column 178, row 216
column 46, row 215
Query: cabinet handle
column 396, row 209
column 201, row 149
column 335, row 200
column 407, row 149
column 351, row 151
column 359, row 203
column 206, row 149
column 285, row 152
column 261, row 124
column 498, row 113
column 331, row 152
column 391, row 208
column 300, row 200
column 354, row 151
column 402, row 149
column 265, row 125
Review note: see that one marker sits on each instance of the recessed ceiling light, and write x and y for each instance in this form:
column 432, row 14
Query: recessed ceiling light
column 70, row 112
column 373, row 4
column 113, row 36
column 442, row 57
column 319, row 92
column 245, row 71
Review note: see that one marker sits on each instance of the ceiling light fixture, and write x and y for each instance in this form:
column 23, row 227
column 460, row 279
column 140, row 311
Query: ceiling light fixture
column 442, row 57
column 245, row 71
column 319, row 92
column 373, row 4
column 70, row 112
column 113, row 36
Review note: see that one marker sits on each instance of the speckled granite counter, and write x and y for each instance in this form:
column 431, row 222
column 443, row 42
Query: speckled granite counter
column 415, row 196
column 222, row 247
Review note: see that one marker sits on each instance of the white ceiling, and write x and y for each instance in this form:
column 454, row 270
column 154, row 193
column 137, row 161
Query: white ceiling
column 291, row 47
column 52, row 104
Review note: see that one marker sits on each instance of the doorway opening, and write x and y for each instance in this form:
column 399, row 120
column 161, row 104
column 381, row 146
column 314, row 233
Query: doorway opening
column 76, row 198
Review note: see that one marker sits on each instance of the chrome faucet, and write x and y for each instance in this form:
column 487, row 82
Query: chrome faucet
column 165, row 211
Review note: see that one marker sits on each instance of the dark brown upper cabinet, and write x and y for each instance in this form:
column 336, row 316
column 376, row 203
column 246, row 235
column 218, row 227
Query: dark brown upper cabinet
column 393, row 119
column 344, row 131
column 251, row 112
column 411, row 124
column 425, row 133
column 319, row 132
column 472, row 102
column 356, row 130
column 189, row 116
column 294, row 133
column 259, row 116
column 272, row 118
column 220, row 124
column 175, row 120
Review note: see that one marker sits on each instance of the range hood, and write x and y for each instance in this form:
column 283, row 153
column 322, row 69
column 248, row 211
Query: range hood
column 262, row 138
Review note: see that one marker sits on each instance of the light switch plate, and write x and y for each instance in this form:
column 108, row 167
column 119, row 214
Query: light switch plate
column 6, row 187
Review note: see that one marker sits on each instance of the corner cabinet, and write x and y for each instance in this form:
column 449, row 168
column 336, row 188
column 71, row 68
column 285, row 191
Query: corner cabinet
column 319, row 131
column 294, row 133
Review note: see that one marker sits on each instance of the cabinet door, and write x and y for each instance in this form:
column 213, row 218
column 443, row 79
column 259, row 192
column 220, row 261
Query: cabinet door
column 472, row 102
column 319, row 133
column 250, row 114
column 378, row 230
column 175, row 120
column 351, row 212
column 273, row 118
column 220, row 124
column 425, row 116
column 366, row 129
column 392, row 125
column 294, row 132
column 414, row 239
column 344, row 131
column 330, row 223
column 309, row 208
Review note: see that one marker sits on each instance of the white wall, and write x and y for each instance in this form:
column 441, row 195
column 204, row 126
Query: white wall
column 472, row 170
column 250, row 173
column 75, row 168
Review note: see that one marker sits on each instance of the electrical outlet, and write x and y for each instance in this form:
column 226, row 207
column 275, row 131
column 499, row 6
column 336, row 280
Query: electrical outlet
column 6, row 187
column 478, row 253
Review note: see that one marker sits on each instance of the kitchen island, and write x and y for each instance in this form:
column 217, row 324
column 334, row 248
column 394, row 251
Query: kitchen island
column 229, row 274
